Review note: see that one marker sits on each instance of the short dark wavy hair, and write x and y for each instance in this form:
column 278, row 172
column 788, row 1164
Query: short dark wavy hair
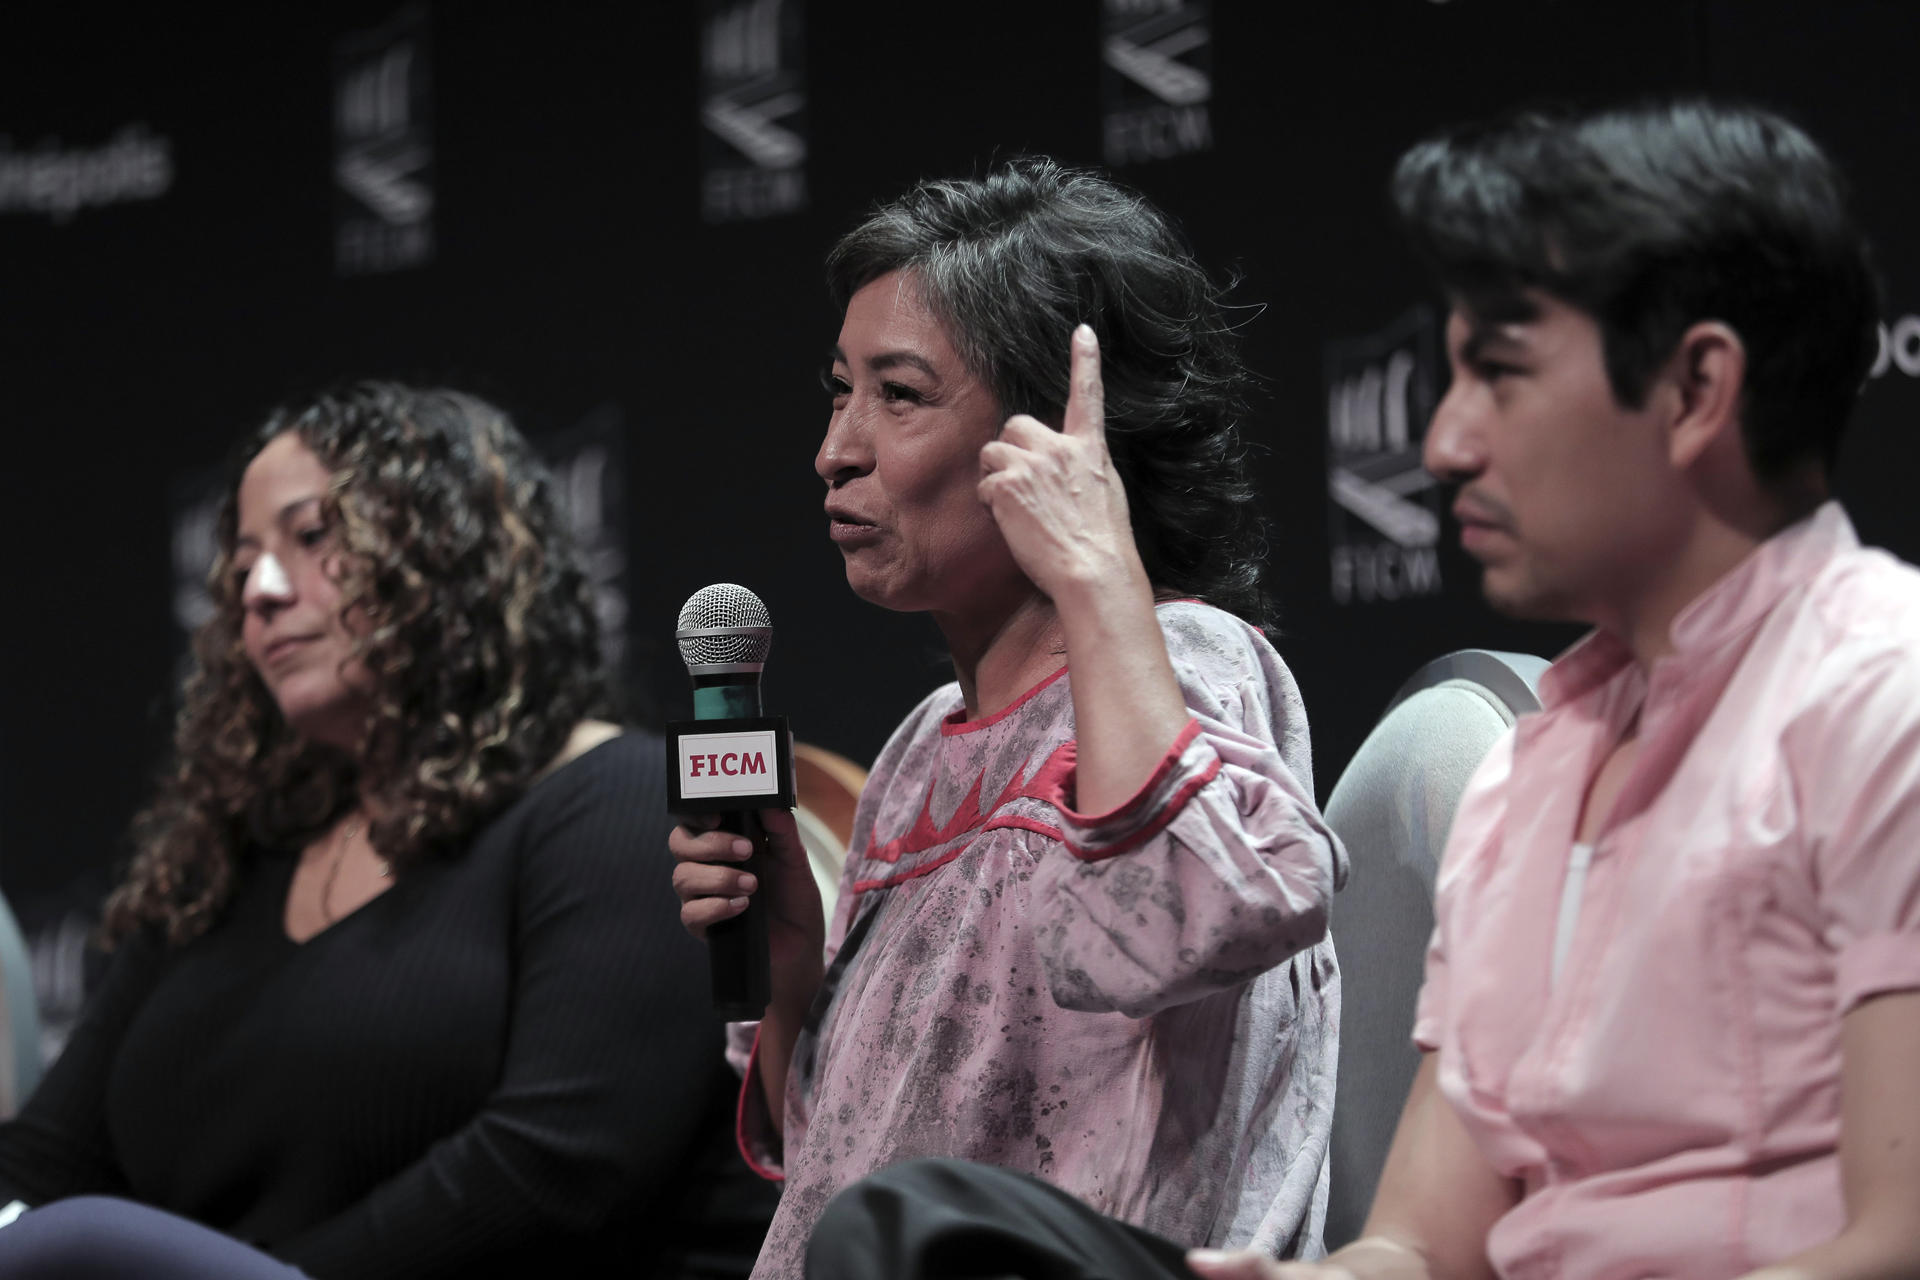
column 1651, row 218
column 471, row 612
column 1010, row 263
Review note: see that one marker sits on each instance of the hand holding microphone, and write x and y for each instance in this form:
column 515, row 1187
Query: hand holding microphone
column 741, row 872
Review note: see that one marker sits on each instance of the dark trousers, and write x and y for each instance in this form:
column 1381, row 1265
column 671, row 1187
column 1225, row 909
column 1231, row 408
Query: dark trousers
column 100, row 1238
column 950, row 1220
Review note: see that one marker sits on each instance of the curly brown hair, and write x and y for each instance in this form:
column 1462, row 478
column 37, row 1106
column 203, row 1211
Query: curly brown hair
column 470, row 610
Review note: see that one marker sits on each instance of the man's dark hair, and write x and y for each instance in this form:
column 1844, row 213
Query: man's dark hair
column 1652, row 218
column 1010, row 263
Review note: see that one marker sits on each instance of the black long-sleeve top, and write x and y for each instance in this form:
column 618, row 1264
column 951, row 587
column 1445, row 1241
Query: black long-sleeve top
column 505, row 1061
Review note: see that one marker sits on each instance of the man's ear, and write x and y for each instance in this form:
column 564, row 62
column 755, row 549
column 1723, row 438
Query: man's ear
column 1708, row 374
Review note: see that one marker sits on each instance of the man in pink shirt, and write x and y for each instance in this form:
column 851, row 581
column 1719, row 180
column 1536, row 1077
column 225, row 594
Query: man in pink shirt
column 1672, row 1007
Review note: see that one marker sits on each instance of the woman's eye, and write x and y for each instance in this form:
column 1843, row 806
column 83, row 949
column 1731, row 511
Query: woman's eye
column 312, row 537
column 900, row 391
column 834, row 385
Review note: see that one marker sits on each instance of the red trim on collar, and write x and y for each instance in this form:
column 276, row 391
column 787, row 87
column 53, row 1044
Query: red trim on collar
column 952, row 724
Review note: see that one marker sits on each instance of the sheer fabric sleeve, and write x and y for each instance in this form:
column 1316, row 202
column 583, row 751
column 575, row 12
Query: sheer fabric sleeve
column 1220, row 866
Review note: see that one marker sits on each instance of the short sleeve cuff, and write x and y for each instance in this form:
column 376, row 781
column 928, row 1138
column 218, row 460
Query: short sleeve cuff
column 1430, row 1007
column 1188, row 765
column 1875, row 965
column 1428, row 1022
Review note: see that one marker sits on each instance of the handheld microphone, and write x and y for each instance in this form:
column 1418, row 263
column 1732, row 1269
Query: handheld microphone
column 732, row 760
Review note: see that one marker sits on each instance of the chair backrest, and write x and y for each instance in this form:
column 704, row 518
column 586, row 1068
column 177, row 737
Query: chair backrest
column 1392, row 808
column 19, row 1017
column 829, row 790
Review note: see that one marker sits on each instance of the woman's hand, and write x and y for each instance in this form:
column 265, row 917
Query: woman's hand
column 713, row 883
column 1243, row 1264
column 1063, row 512
column 1367, row 1259
column 1056, row 496
column 1249, row 1264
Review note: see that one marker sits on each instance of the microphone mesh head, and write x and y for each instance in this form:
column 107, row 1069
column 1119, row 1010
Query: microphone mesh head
column 734, row 608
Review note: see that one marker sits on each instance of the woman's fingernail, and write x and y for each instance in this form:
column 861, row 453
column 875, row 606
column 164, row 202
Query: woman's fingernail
column 742, row 848
column 747, row 884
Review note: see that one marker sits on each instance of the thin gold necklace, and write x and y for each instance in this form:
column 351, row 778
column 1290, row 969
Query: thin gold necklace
column 348, row 831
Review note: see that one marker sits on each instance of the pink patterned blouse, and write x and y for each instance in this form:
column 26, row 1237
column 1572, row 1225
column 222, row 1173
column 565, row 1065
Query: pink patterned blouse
column 1140, row 1007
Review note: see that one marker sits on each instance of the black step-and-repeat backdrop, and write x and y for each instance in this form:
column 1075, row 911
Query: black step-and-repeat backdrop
column 610, row 219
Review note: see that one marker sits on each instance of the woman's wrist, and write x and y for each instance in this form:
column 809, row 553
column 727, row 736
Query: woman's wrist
column 1098, row 592
column 794, row 984
column 1128, row 706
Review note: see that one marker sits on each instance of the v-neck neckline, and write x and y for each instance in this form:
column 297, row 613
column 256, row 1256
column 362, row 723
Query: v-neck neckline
column 285, row 889
column 292, row 859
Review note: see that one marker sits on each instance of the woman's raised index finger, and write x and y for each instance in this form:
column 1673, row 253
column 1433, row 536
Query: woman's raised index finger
column 1086, row 396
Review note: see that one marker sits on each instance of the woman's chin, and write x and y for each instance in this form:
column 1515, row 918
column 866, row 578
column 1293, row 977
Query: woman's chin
column 332, row 722
column 876, row 589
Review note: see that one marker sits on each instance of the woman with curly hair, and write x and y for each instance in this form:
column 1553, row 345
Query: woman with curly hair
column 395, row 989
column 1081, row 933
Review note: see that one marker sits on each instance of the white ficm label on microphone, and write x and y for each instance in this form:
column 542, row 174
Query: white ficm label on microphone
column 744, row 763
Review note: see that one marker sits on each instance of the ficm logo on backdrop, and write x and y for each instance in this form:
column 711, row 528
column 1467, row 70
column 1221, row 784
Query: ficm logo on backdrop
column 1156, row 78
column 1899, row 348
column 1383, row 506
column 753, row 109
column 58, row 181
column 588, row 461
column 383, row 147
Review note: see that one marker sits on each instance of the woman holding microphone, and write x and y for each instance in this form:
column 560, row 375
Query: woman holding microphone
column 1082, row 927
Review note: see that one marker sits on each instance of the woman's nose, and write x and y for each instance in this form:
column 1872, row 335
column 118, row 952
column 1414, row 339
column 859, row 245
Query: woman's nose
column 267, row 583
column 846, row 451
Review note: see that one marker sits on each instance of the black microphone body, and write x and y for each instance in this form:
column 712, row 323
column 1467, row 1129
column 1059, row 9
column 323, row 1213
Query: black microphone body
column 737, row 955
column 732, row 760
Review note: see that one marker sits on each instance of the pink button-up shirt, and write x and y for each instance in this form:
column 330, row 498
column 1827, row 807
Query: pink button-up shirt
column 1672, row 1104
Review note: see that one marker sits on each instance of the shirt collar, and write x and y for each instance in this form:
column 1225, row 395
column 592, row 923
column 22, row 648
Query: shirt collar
column 1741, row 597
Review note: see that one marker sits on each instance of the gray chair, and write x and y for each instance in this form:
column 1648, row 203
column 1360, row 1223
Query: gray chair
column 1392, row 808
column 19, row 1017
